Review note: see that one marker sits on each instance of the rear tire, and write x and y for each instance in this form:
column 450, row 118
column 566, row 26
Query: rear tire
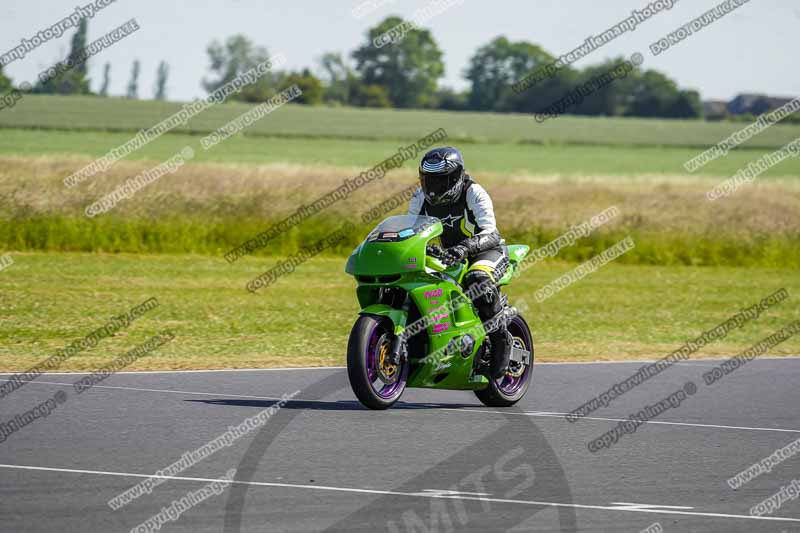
column 369, row 343
column 508, row 390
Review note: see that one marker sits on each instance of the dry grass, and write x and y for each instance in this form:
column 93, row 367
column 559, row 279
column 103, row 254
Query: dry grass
column 658, row 203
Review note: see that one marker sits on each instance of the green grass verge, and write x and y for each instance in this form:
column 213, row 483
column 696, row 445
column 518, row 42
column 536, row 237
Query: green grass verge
column 618, row 312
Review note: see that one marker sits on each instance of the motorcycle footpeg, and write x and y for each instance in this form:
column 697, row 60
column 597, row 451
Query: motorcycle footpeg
column 510, row 312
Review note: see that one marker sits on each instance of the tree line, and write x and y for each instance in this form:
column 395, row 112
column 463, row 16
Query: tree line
column 75, row 80
column 406, row 74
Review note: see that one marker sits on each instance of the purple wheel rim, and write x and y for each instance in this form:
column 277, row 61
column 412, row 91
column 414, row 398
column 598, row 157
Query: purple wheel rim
column 383, row 390
column 509, row 385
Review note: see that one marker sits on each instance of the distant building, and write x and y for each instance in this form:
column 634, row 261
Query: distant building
column 755, row 104
column 715, row 109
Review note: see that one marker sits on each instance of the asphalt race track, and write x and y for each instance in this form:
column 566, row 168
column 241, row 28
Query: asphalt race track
column 439, row 461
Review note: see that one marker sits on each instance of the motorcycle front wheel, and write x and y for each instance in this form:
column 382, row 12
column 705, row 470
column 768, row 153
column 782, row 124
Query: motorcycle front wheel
column 375, row 381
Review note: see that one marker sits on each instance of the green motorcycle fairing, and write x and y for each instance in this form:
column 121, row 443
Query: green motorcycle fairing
column 394, row 256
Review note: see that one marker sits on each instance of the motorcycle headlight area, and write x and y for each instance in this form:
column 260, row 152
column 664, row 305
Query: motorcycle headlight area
column 390, row 236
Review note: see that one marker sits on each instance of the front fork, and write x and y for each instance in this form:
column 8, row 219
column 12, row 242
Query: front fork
column 398, row 353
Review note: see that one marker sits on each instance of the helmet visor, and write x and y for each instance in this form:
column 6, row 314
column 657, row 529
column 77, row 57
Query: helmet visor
column 434, row 186
column 439, row 187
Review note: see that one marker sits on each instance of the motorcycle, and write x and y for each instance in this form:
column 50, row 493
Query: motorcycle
column 417, row 326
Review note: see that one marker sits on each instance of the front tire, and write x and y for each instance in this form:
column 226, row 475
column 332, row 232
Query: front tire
column 508, row 390
column 376, row 384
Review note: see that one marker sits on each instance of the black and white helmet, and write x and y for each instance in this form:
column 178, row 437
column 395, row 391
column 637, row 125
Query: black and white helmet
column 441, row 175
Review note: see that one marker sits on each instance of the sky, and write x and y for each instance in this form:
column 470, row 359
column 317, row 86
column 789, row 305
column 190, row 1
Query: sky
column 753, row 49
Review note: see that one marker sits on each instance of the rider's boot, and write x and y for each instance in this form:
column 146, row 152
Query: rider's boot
column 501, row 352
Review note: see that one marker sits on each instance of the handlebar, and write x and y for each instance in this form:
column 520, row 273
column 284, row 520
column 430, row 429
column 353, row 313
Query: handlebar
column 434, row 250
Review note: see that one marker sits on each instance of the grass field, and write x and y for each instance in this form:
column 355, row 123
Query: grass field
column 618, row 312
column 507, row 158
column 542, row 178
column 213, row 208
column 111, row 114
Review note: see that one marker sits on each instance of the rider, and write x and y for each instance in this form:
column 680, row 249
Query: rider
column 465, row 210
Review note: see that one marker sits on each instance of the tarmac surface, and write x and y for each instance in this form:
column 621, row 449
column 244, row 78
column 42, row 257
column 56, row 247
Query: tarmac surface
column 438, row 461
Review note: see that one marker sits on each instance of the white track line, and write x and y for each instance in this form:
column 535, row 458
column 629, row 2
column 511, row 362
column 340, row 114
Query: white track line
column 795, row 358
column 168, row 391
column 662, row 422
column 545, row 414
column 188, row 371
column 431, row 495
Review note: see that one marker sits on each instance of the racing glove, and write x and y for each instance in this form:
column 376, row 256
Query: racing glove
column 481, row 242
column 454, row 254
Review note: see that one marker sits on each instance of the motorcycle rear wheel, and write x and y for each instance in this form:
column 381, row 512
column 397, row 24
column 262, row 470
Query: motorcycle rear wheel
column 510, row 389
